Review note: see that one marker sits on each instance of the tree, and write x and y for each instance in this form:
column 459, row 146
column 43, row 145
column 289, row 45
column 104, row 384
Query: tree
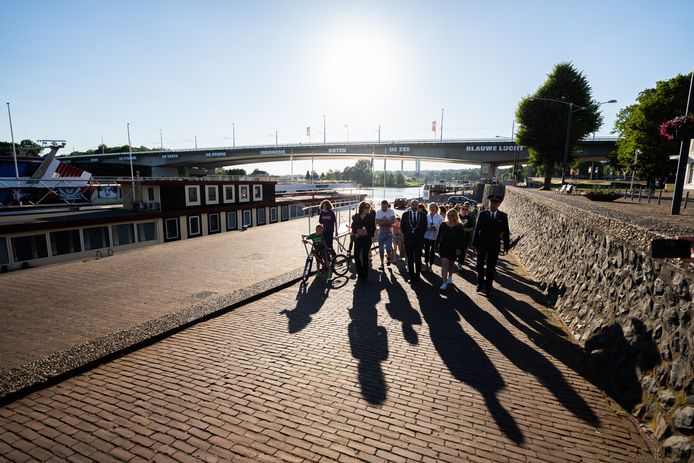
column 308, row 175
column 259, row 173
column 361, row 172
column 637, row 126
column 542, row 122
column 240, row 172
column 24, row 148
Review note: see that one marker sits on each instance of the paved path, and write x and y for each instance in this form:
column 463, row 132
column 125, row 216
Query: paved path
column 55, row 307
column 370, row 372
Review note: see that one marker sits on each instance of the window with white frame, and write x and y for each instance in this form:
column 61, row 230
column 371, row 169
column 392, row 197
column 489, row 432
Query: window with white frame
column 150, row 193
column 229, row 193
column 29, row 247
column 194, row 225
column 257, row 192
column 273, row 214
column 211, row 194
column 123, row 234
column 244, row 193
column 171, row 231
column 192, row 195
column 96, row 238
column 63, row 242
column 231, row 220
column 247, row 219
column 213, row 223
column 146, row 231
column 260, row 216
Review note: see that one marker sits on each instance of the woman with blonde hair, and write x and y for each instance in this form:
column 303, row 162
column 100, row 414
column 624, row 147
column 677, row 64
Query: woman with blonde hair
column 451, row 244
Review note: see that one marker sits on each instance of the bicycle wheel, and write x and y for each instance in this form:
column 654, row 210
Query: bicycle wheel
column 340, row 264
column 307, row 268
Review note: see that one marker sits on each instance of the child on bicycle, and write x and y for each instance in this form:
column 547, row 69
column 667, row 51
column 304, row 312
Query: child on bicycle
column 318, row 241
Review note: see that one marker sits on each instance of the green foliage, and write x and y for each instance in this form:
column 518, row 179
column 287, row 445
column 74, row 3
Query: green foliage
column 113, row 149
column 637, row 128
column 360, row 172
column 24, row 148
column 239, row 172
column 259, row 173
column 542, row 123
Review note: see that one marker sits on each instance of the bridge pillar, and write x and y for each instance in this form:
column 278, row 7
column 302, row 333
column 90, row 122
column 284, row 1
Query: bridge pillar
column 489, row 170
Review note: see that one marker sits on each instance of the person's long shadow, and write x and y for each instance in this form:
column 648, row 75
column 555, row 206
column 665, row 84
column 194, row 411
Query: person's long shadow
column 400, row 308
column 463, row 357
column 368, row 342
column 309, row 301
column 525, row 357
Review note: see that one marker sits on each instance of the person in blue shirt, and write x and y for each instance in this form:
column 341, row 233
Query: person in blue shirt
column 327, row 218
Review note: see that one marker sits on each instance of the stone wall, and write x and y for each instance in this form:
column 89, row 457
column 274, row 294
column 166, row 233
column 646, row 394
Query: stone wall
column 631, row 313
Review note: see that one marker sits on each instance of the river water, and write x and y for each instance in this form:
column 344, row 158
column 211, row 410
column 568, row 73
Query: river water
column 378, row 194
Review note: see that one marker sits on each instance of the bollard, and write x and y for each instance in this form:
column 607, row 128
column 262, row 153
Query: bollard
column 650, row 195
column 686, row 199
column 660, row 196
column 640, row 189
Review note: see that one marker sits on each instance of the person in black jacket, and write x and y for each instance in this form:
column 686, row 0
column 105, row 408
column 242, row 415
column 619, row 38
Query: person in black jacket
column 363, row 230
column 491, row 230
column 413, row 225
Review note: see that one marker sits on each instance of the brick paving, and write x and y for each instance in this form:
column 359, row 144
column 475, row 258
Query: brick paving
column 370, row 372
column 50, row 308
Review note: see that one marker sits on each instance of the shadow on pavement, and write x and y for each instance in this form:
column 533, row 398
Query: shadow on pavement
column 309, row 300
column 525, row 357
column 400, row 308
column 463, row 357
column 368, row 342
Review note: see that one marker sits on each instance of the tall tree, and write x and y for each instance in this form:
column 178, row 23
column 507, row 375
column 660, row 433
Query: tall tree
column 637, row 128
column 24, row 148
column 542, row 122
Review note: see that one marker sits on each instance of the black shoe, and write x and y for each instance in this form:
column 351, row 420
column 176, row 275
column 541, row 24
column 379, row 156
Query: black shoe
column 480, row 289
column 487, row 291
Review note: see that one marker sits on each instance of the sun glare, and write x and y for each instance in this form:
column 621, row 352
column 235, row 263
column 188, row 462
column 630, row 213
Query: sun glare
column 356, row 64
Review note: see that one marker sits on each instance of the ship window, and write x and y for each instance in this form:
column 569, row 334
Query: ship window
column 231, row 220
column 257, row 192
column 29, row 247
column 146, row 231
column 65, row 242
column 150, row 193
column 244, row 195
column 192, row 195
column 4, row 255
column 171, row 226
column 194, row 225
column 247, row 219
column 273, row 214
column 211, row 193
column 96, row 238
column 260, row 216
column 229, row 193
column 213, row 223
column 285, row 213
column 123, row 234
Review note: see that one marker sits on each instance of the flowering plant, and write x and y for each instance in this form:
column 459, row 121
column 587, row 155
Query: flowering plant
column 669, row 129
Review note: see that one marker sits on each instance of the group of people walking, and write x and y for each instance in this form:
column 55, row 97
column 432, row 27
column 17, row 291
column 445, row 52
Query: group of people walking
column 448, row 232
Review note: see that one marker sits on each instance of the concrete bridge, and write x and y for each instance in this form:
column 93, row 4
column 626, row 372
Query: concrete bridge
column 490, row 153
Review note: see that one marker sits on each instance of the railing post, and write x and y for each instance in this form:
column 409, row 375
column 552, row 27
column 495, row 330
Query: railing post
column 686, row 199
column 660, row 196
column 640, row 190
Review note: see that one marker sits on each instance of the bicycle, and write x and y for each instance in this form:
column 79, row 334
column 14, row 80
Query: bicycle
column 338, row 263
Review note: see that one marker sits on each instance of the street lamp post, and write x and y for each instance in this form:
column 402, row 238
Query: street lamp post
column 571, row 106
column 233, row 134
column 14, row 150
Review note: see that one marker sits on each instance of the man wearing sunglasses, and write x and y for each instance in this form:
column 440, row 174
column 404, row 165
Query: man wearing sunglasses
column 491, row 230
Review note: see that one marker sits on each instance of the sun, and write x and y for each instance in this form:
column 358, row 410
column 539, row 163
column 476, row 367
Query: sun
column 356, row 64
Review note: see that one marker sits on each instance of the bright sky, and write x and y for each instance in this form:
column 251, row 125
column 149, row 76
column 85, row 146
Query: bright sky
column 80, row 70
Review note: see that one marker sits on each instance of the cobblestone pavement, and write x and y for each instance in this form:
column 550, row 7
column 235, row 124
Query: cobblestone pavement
column 55, row 307
column 376, row 371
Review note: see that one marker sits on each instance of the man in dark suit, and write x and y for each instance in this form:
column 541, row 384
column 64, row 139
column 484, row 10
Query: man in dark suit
column 491, row 230
column 413, row 225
